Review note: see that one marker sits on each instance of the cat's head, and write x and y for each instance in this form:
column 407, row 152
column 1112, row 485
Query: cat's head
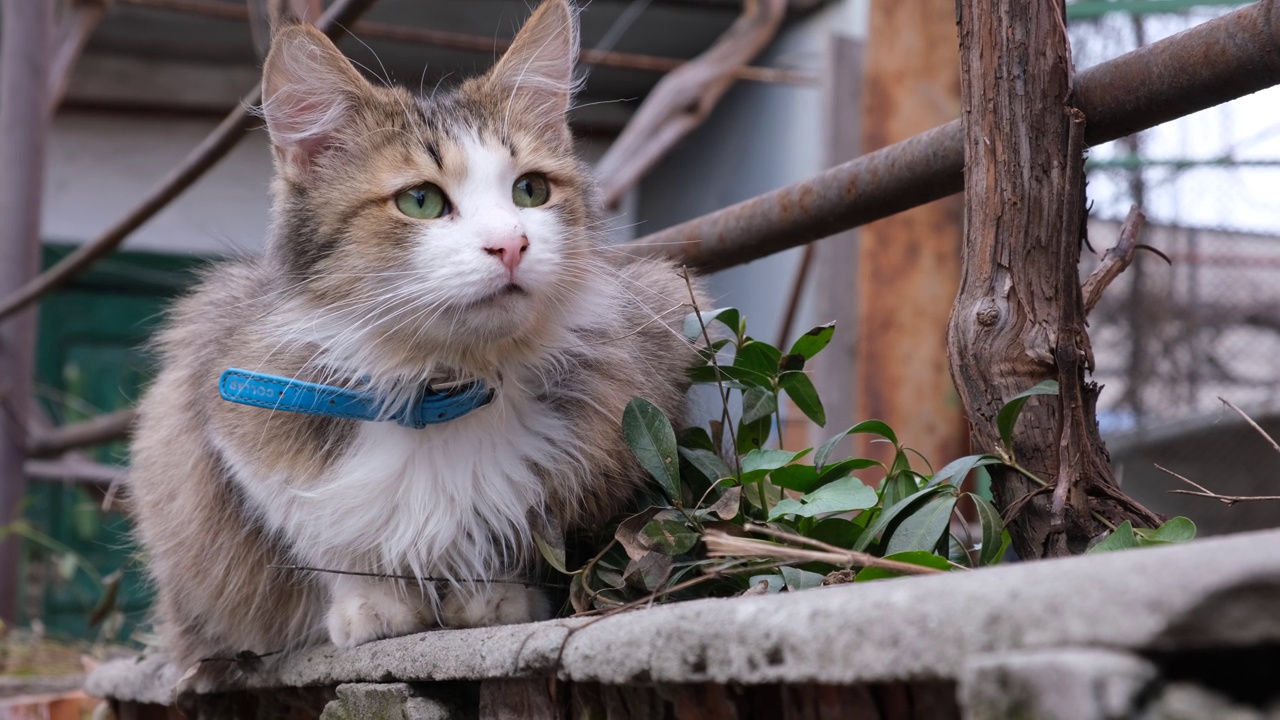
column 455, row 224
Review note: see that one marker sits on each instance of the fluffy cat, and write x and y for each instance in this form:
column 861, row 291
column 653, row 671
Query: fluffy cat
column 413, row 239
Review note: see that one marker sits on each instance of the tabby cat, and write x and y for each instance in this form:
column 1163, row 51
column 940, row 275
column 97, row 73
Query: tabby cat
column 417, row 244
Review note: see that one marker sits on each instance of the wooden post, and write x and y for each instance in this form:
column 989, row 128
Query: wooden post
column 909, row 264
column 24, row 119
column 833, row 261
column 1019, row 318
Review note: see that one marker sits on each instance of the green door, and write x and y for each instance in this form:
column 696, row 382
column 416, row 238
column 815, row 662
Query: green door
column 91, row 359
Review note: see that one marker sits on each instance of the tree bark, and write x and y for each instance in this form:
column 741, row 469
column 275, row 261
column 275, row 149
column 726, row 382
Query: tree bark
column 1019, row 317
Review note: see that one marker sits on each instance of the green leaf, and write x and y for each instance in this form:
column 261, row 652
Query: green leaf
column 758, row 357
column 955, row 471
column 1008, row 415
column 759, row 462
column 728, row 316
column 553, row 553
column 992, row 528
column 798, row 477
column 982, row 484
column 872, row 427
column 706, row 462
column 67, row 565
column 107, row 603
column 1178, row 529
column 753, row 436
column 695, row 437
column 797, row 579
column 812, row 342
column 891, row 513
column 922, row 529
column 835, row 531
column 730, row 502
column 86, row 518
column 790, row 363
column 758, row 402
column 1122, row 538
column 843, row 495
column 915, row 557
column 800, row 389
column 653, row 442
column 785, row 506
column 896, row 487
column 775, row 582
column 731, row 376
column 670, row 537
column 835, row 471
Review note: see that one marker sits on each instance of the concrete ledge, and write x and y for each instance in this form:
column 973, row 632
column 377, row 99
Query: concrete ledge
column 1215, row 593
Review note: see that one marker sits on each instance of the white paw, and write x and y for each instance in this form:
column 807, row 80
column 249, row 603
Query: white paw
column 361, row 612
column 498, row 604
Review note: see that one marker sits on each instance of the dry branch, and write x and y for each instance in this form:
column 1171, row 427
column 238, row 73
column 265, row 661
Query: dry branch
column 1202, row 491
column 334, row 23
column 1254, row 425
column 75, row 470
column 723, row 545
column 477, row 43
column 79, row 19
column 54, row 441
column 1115, row 260
column 682, row 100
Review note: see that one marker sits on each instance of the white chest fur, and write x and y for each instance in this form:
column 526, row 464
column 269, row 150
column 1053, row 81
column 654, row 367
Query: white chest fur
column 447, row 500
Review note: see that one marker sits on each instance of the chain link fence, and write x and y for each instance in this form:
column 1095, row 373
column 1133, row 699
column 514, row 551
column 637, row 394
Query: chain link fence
column 1171, row 339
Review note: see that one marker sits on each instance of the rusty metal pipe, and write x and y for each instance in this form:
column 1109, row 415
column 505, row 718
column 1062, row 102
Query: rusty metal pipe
column 1214, row 62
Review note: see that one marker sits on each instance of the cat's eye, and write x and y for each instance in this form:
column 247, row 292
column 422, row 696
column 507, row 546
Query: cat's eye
column 425, row 202
column 531, row 190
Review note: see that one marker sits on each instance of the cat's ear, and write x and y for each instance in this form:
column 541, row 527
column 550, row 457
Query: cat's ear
column 535, row 75
column 310, row 92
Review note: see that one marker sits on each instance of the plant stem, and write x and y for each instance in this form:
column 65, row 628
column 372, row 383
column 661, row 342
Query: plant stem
column 1032, row 477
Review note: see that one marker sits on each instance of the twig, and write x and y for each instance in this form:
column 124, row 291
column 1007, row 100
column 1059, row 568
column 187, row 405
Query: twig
column 1115, row 260
column 483, row 44
column 1202, row 491
column 797, row 293
column 1252, row 424
column 52, row 441
column 1070, row 354
column 684, row 98
column 210, row 150
column 724, row 393
column 1016, row 506
column 722, row 544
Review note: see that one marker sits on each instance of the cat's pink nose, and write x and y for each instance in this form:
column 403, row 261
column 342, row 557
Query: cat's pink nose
column 510, row 250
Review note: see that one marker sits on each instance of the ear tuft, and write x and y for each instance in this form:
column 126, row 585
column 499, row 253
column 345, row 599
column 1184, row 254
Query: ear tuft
column 309, row 92
column 537, row 70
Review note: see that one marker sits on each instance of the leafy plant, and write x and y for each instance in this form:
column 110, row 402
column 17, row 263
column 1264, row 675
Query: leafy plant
column 814, row 519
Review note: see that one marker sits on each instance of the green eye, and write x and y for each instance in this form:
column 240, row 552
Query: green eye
column 531, row 190
column 425, row 202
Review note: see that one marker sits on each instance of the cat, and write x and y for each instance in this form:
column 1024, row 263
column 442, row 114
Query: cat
column 414, row 242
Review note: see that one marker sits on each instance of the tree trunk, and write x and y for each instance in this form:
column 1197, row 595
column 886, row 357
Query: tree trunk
column 1018, row 319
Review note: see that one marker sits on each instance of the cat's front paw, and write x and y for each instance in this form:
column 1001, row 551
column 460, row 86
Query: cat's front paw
column 370, row 611
column 497, row 604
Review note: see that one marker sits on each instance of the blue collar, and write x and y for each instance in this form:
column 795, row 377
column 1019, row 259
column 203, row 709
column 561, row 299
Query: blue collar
column 279, row 393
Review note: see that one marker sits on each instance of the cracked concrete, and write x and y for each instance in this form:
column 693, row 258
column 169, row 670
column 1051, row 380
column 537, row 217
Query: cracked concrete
column 1219, row 592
